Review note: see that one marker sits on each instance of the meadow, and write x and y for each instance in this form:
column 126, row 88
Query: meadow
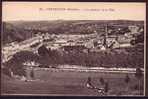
column 71, row 83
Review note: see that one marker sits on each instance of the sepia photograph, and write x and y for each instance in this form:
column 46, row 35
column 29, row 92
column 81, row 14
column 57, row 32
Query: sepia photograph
column 73, row 48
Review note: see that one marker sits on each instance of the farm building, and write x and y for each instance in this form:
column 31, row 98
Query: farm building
column 133, row 29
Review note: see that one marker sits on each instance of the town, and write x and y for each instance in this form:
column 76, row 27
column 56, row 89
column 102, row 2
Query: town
column 82, row 42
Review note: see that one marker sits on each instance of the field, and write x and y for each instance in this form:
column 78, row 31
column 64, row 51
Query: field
column 69, row 83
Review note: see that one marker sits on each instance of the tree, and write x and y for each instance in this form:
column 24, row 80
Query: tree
column 43, row 51
column 89, row 84
column 138, row 75
column 102, row 81
column 16, row 66
column 106, row 87
column 132, row 42
column 32, row 74
column 24, row 56
column 127, row 80
column 89, row 80
column 16, row 62
column 95, row 43
column 44, row 55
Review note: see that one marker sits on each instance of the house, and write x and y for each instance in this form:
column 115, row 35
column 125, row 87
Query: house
column 62, row 41
column 102, row 48
column 125, row 45
column 89, row 44
column 133, row 29
column 110, row 40
column 31, row 63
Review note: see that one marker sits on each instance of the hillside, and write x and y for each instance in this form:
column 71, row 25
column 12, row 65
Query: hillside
column 13, row 33
column 21, row 30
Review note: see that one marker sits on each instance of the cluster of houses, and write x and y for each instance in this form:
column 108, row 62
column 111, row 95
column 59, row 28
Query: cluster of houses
column 71, row 42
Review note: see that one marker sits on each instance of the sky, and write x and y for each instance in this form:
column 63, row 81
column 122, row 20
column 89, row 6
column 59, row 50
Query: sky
column 12, row 11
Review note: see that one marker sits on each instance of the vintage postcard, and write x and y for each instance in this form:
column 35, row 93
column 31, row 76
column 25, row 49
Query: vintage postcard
column 73, row 48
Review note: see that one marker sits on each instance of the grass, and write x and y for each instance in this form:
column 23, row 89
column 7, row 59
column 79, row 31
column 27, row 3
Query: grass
column 69, row 83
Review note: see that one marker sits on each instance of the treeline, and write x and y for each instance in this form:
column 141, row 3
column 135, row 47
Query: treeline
column 131, row 57
column 52, row 58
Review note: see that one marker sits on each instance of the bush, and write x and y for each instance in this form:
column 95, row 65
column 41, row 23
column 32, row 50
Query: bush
column 6, row 71
column 32, row 74
column 138, row 73
column 43, row 66
column 136, row 87
column 19, row 69
column 127, row 79
column 102, row 81
column 106, row 88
